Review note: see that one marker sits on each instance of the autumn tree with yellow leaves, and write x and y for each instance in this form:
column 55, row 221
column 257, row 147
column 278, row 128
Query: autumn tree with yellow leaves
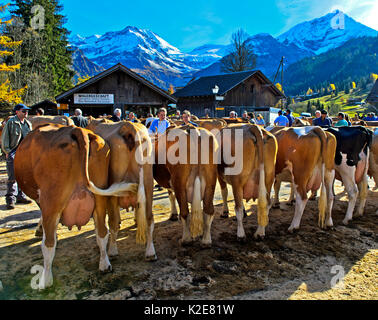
column 7, row 47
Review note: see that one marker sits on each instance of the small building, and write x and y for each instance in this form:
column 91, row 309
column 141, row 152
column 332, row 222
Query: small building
column 50, row 108
column 221, row 94
column 373, row 95
column 115, row 88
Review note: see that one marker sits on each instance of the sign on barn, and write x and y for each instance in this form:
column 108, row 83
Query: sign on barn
column 91, row 98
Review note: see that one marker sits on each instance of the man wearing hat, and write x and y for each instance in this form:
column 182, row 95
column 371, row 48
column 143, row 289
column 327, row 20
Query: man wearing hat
column 15, row 130
column 324, row 121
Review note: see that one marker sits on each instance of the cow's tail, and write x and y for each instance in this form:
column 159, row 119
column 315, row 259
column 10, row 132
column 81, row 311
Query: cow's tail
column 323, row 192
column 118, row 189
column 196, row 221
column 262, row 207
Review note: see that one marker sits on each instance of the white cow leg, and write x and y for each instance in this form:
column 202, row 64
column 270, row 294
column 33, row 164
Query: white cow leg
column 329, row 181
column 208, row 220
column 352, row 191
column 172, row 200
column 186, row 235
column 104, row 259
column 363, row 192
column 46, row 279
column 299, row 209
column 150, row 250
column 226, row 210
column 240, row 216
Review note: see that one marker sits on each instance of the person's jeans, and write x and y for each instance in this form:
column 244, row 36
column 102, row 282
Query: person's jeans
column 14, row 193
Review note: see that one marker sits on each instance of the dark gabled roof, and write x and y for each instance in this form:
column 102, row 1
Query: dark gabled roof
column 204, row 85
column 117, row 67
column 373, row 95
column 44, row 103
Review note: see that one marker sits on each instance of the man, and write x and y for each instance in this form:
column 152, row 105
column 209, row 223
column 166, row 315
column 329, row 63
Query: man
column 15, row 130
column 232, row 115
column 132, row 117
column 40, row 112
column 342, row 122
column 160, row 125
column 79, row 120
column 245, row 116
column 290, row 117
column 117, row 115
column 251, row 118
column 318, row 114
column 324, row 121
column 186, row 117
column 281, row 120
column 150, row 119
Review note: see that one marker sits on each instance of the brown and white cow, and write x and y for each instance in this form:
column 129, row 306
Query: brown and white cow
column 185, row 164
column 129, row 142
column 306, row 159
column 248, row 165
column 37, row 121
column 373, row 160
column 55, row 166
column 209, row 124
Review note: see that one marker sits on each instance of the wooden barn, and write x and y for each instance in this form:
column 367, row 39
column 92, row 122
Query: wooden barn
column 373, row 96
column 221, row 94
column 50, row 108
column 117, row 87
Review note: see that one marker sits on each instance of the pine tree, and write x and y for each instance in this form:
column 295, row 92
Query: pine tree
column 8, row 96
column 55, row 56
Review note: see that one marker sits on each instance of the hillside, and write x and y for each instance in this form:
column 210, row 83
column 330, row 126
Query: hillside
column 355, row 59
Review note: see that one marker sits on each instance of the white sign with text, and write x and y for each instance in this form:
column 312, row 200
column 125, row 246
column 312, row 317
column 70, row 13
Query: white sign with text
column 91, row 98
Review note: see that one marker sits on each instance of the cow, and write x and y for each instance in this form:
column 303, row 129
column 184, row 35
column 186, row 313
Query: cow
column 55, row 166
column 191, row 178
column 373, row 159
column 251, row 174
column 352, row 164
column 305, row 159
column 129, row 142
column 235, row 120
column 301, row 123
column 209, row 124
column 37, row 121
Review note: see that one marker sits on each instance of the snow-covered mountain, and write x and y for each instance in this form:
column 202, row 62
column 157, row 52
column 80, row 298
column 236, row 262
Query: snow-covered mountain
column 326, row 33
column 148, row 54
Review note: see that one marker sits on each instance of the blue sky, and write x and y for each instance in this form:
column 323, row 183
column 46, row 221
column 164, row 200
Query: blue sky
column 189, row 24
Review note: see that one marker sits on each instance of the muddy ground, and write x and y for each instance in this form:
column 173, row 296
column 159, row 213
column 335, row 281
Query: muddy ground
column 283, row 266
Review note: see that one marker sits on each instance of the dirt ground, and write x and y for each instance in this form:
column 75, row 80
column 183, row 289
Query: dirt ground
column 283, row 266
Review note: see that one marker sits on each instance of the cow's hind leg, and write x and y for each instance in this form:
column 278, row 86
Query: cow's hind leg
column 224, row 190
column 102, row 236
column 172, row 199
column 50, row 224
column 348, row 175
column 363, row 192
column 208, row 216
column 114, row 225
column 239, row 209
column 329, row 181
column 277, row 187
column 301, row 201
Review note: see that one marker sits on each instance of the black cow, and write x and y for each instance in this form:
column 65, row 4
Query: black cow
column 352, row 164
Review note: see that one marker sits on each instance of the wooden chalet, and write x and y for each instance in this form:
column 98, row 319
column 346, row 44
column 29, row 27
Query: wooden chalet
column 238, row 92
column 117, row 87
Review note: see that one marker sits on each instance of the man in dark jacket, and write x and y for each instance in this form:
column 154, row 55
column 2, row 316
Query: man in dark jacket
column 79, row 120
column 117, row 115
column 15, row 130
column 324, row 121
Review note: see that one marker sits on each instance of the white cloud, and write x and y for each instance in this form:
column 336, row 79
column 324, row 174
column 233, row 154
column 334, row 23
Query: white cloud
column 297, row 11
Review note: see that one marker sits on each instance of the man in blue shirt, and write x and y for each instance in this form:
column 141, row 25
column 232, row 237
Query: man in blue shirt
column 290, row 117
column 186, row 117
column 281, row 120
column 160, row 125
column 324, row 121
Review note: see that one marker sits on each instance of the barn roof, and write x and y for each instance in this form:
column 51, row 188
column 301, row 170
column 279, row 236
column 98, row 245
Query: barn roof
column 373, row 95
column 226, row 82
column 117, row 67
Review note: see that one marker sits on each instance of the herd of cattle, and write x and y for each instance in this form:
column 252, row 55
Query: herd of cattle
column 74, row 174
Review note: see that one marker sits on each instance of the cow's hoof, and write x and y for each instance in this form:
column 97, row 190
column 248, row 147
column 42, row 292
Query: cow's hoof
column 46, row 281
column 346, row 222
column 259, row 237
column 174, row 217
column 293, row 230
column 38, row 233
column 206, row 245
column 152, row 258
column 225, row 215
column 186, row 243
column 105, row 266
column 113, row 251
column 242, row 239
